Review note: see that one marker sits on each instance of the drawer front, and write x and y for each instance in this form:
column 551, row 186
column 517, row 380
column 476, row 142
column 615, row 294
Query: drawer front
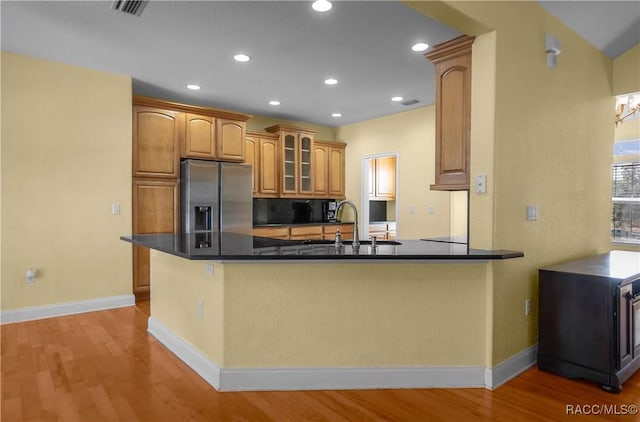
column 306, row 232
column 274, row 232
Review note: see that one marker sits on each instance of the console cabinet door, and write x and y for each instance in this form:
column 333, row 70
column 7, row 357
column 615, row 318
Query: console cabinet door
column 155, row 210
column 157, row 135
column 625, row 330
column 200, row 137
column 230, row 143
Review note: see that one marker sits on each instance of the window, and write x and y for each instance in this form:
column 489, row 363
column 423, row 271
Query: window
column 625, row 216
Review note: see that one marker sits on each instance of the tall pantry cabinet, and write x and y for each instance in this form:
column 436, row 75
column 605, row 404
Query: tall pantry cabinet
column 163, row 133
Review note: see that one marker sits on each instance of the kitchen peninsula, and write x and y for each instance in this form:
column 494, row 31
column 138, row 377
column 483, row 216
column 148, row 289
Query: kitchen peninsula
column 251, row 313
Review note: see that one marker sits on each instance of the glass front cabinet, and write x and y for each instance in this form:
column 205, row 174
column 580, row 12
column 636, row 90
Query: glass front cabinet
column 297, row 163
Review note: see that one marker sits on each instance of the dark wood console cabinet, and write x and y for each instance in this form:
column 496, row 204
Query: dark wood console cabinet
column 589, row 318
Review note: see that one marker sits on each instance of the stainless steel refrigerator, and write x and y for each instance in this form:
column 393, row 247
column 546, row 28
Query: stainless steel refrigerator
column 216, row 197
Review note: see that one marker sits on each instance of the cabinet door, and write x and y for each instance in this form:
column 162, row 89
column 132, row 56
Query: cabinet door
column 272, row 232
column 155, row 210
column 200, row 137
column 453, row 113
column 289, row 164
column 386, row 177
column 320, row 170
column 625, row 327
column 336, row 172
column 306, row 232
column 305, row 148
column 157, row 135
column 268, row 168
column 230, row 142
column 252, row 146
column 372, row 177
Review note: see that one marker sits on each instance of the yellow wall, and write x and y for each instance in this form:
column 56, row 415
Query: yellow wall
column 412, row 135
column 259, row 123
column 294, row 315
column 626, row 72
column 179, row 285
column 66, row 157
column 551, row 140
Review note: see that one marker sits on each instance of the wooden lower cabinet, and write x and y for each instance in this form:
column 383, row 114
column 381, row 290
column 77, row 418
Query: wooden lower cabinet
column 272, row 232
column 312, row 232
column 306, row 233
column 346, row 231
column 383, row 231
column 155, row 210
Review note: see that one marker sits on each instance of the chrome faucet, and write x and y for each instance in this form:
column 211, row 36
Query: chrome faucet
column 356, row 240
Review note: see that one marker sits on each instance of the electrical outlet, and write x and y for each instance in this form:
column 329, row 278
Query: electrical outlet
column 481, row 183
column 31, row 276
column 527, row 306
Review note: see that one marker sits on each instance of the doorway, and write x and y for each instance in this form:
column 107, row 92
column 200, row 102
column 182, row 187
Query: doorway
column 379, row 195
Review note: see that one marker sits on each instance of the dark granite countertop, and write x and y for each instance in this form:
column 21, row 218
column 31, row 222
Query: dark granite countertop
column 623, row 266
column 237, row 247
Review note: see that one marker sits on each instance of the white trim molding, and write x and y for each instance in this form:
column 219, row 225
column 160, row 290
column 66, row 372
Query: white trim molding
column 69, row 308
column 511, row 368
column 273, row 379
column 196, row 360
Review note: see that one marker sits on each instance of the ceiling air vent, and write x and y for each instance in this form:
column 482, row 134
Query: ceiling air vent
column 132, row 7
column 409, row 102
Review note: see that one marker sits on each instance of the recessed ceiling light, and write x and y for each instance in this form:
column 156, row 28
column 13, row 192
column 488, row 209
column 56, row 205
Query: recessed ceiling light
column 321, row 5
column 274, row 102
column 241, row 58
column 420, row 47
column 397, row 99
column 193, row 87
column 336, row 115
column 331, row 81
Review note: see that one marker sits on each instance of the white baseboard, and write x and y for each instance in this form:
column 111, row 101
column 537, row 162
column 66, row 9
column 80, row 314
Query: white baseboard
column 68, row 308
column 511, row 368
column 254, row 379
column 206, row 368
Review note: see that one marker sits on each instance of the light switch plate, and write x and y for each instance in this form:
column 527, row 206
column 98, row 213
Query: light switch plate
column 481, row 183
column 532, row 212
column 115, row 208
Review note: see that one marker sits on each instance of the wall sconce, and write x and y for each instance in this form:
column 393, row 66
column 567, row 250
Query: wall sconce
column 552, row 48
column 626, row 106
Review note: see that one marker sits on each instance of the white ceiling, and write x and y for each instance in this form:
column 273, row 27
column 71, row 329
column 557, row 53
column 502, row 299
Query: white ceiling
column 363, row 44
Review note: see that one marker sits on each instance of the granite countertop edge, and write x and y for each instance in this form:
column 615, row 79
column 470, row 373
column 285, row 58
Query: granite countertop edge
column 243, row 248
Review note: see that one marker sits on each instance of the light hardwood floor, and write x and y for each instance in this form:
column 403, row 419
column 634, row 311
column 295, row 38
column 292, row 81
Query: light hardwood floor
column 103, row 366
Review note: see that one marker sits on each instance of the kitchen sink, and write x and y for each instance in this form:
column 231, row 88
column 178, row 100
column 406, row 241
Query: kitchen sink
column 349, row 242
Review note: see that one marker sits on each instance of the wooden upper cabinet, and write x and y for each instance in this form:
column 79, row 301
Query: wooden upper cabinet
column 262, row 153
column 320, row 169
column 230, row 141
column 452, row 61
column 296, row 160
column 382, row 178
column 251, row 157
column 157, row 135
column 328, row 169
column 386, row 177
column 200, row 137
column 268, row 168
column 336, row 170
